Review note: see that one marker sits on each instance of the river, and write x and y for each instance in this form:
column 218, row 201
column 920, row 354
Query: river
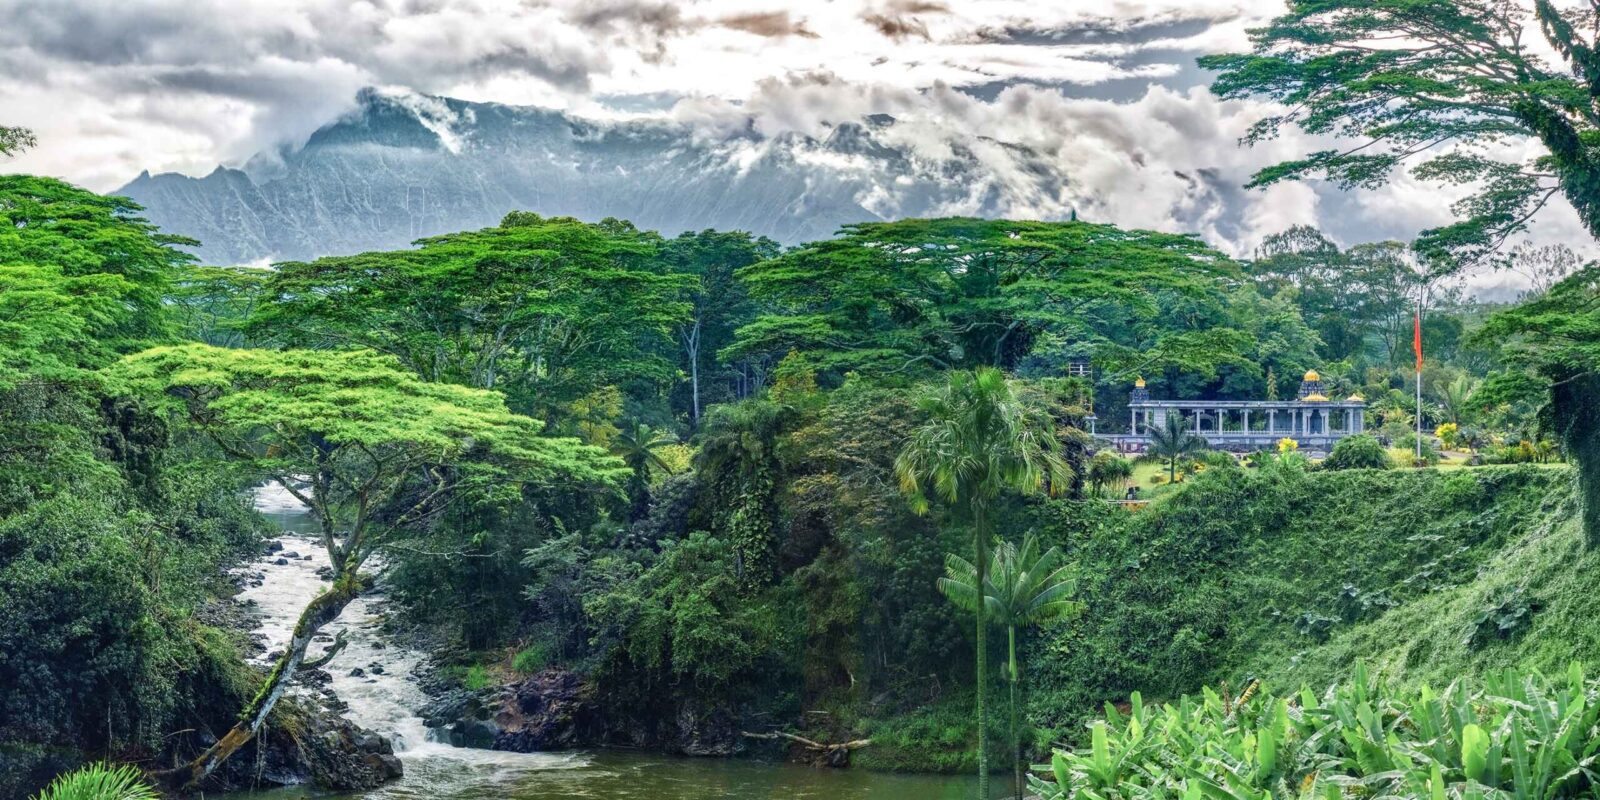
column 387, row 703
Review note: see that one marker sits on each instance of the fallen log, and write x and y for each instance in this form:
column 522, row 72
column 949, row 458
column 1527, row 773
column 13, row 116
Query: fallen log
column 835, row 755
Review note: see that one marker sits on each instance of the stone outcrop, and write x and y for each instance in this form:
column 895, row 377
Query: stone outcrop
column 558, row 710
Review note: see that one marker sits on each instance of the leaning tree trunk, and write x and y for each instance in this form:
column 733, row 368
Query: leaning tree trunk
column 321, row 611
column 980, row 518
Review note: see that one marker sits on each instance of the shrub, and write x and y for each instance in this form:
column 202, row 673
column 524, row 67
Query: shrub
column 99, row 782
column 1515, row 736
column 1430, row 451
column 1358, row 452
column 532, row 659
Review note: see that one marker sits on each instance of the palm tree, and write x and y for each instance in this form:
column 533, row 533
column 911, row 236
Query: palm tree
column 637, row 444
column 1172, row 443
column 1454, row 396
column 979, row 440
column 1024, row 587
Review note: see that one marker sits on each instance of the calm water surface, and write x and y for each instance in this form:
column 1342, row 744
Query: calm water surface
column 387, row 703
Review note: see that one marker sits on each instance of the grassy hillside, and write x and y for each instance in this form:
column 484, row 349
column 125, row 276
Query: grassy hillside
column 1291, row 576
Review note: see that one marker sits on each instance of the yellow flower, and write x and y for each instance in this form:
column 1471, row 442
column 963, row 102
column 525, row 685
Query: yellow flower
column 1287, row 445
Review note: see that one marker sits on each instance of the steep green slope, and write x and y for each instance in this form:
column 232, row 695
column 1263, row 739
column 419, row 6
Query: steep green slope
column 1291, row 576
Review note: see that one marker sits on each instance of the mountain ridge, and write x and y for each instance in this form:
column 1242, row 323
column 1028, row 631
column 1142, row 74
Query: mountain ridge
column 401, row 166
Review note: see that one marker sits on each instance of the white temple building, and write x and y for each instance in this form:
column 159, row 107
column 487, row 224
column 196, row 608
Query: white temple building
column 1312, row 419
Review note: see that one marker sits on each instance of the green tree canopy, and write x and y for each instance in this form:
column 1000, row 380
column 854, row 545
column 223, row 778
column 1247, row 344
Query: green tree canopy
column 718, row 303
column 52, row 325
column 543, row 308
column 952, row 293
column 1433, row 85
column 370, row 448
column 13, row 140
column 1553, row 344
column 46, row 222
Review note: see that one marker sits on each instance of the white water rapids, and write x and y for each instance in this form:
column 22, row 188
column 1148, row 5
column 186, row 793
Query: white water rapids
column 385, row 702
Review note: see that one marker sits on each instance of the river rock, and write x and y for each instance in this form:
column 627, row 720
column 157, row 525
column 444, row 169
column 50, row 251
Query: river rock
column 282, row 562
column 274, row 546
column 553, row 710
column 343, row 756
column 706, row 731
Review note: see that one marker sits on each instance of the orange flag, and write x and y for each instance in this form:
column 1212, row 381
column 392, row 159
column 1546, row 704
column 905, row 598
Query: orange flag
column 1416, row 339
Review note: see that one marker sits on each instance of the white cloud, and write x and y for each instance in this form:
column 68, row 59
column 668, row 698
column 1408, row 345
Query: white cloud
column 113, row 88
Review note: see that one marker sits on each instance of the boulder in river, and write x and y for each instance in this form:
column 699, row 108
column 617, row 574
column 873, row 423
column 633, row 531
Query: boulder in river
column 553, row 710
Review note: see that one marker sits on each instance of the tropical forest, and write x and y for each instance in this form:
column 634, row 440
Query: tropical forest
column 384, row 467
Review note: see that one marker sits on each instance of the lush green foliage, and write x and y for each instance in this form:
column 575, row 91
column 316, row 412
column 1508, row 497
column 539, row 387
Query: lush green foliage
column 545, row 309
column 114, row 525
column 1358, row 452
column 981, row 438
column 1289, row 575
column 1553, row 345
column 1516, row 736
column 1023, row 587
column 886, row 297
column 1404, row 78
column 99, row 782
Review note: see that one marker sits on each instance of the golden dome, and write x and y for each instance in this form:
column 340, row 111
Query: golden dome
column 1138, row 384
column 1311, row 375
column 1316, row 397
column 1356, row 398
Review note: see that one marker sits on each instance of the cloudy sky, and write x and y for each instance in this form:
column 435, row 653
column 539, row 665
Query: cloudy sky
column 1107, row 88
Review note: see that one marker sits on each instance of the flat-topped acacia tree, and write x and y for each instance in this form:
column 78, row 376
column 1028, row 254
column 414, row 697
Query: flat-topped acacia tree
column 962, row 293
column 372, row 450
column 544, row 309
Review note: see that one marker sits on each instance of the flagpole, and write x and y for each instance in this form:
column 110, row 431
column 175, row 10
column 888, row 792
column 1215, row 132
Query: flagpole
column 1417, row 341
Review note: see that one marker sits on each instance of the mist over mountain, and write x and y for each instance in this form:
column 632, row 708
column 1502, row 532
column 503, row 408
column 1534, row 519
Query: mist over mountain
column 402, row 167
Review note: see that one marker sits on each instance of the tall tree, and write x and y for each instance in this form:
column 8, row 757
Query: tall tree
column 1543, row 267
column 372, row 450
column 1553, row 344
column 718, row 301
column 637, row 445
column 1432, row 84
column 961, row 293
column 1024, row 587
column 44, row 221
column 546, row 309
column 980, row 440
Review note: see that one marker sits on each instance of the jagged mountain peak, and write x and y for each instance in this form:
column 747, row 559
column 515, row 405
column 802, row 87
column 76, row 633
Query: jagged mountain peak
column 399, row 166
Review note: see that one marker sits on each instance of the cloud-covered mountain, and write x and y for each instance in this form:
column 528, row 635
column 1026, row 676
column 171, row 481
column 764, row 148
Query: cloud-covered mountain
column 404, row 166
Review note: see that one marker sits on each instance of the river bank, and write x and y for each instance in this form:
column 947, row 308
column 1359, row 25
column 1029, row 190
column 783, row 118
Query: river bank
column 378, row 681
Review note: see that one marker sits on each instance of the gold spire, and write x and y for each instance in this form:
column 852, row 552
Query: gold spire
column 1311, row 375
column 1139, row 384
column 1356, row 398
column 1316, row 397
